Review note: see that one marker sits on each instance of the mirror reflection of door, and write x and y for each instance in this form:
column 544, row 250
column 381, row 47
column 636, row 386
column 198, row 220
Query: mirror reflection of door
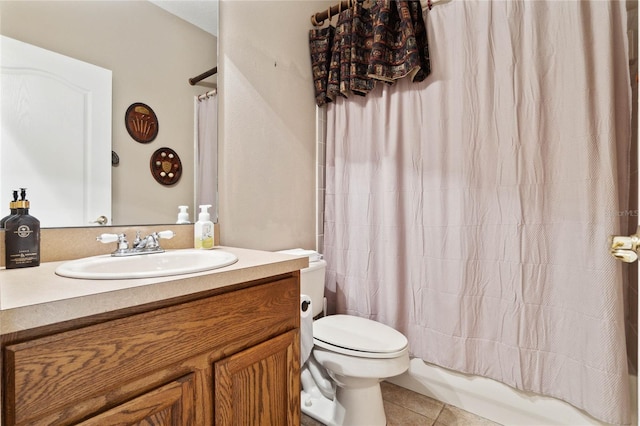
column 43, row 93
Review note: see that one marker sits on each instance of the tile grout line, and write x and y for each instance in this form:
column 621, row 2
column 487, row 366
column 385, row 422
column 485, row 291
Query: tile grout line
column 439, row 413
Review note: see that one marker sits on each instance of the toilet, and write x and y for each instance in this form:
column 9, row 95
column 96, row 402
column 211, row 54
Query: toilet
column 349, row 358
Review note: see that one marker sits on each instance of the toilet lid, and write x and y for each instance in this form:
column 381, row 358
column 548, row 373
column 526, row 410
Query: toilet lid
column 358, row 334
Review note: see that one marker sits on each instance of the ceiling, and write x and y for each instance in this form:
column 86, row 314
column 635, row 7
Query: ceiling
column 201, row 13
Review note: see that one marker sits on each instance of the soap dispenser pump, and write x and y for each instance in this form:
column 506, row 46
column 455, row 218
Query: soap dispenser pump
column 203, row 229
column 183, row 216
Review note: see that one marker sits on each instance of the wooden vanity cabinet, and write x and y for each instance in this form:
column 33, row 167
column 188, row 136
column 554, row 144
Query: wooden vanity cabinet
column 171, row 404
column 229, row 358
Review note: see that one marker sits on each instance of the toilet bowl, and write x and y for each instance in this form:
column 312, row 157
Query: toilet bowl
column 358, row 354
column 350, row 357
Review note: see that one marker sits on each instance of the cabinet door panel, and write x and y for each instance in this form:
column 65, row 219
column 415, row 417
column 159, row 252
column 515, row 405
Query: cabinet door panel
column 170, row 405
column 261, row 385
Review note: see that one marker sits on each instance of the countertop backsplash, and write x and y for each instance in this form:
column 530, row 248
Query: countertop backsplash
column 58, row 244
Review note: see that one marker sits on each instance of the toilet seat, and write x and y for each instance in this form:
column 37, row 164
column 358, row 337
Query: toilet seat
column 360, row 337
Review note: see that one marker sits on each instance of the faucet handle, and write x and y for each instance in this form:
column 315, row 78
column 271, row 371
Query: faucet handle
column 168, row 234
column 107, row 238
column 121, row 239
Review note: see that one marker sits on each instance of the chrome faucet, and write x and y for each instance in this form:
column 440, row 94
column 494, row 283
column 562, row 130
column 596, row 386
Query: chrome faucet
column 147, row 245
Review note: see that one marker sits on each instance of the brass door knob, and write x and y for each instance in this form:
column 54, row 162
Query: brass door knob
column 625, row 248
column 101, row 220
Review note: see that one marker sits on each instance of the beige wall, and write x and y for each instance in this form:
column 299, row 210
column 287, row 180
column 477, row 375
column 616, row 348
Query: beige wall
column 267, row 124
column 152, row 55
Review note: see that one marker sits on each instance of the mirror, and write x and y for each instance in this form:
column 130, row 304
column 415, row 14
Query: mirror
column 152, row 53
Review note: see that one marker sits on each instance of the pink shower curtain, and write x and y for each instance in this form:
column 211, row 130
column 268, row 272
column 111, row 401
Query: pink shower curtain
column 471, row 211
column 207, row 153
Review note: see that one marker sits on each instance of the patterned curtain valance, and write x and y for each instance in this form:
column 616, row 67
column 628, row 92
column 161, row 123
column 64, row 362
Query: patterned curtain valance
column 386, row 42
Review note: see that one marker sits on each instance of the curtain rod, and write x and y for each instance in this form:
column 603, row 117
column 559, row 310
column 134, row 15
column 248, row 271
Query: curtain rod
column 209, row 94
column 196, row 79
column 318, row 18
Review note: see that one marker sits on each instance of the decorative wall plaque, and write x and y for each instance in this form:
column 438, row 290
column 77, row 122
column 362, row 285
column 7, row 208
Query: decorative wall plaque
column 141, row 122
column 166, row 166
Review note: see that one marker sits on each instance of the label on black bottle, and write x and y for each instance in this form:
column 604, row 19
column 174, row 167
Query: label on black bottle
column 24, row 231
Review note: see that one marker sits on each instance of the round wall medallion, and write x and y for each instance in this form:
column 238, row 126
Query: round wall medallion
column 141, row 122
column 165, row 166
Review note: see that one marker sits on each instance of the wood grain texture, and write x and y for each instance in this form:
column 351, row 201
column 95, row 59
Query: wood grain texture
column 65, row 377
column 260, row 386
column 172, row 404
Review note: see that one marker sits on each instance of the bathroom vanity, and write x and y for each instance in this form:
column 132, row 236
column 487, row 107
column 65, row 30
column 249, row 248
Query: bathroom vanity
column 218, row 347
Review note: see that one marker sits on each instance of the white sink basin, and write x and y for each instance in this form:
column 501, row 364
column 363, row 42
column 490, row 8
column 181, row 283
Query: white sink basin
column 172, row 262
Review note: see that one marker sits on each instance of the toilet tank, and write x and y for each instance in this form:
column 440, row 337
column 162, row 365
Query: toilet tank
column 312, row 278
column 312, row 284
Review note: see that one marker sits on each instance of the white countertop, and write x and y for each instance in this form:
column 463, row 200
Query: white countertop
column 34, row 297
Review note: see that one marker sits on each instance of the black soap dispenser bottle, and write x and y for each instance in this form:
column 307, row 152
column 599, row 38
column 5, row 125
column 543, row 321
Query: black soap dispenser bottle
column 13, row 209
column 22, row 236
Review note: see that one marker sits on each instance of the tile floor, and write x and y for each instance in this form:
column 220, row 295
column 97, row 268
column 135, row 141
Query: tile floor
column 406, row 408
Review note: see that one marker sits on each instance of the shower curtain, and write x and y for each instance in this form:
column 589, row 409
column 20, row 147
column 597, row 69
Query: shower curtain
column 206, row 124
column 471, row 211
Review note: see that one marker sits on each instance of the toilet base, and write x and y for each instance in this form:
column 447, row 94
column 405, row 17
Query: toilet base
column 318, row 407
column 365, row 406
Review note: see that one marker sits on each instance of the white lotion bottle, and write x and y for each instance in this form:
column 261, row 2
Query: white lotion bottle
column 183, row 216
column 203, row 229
